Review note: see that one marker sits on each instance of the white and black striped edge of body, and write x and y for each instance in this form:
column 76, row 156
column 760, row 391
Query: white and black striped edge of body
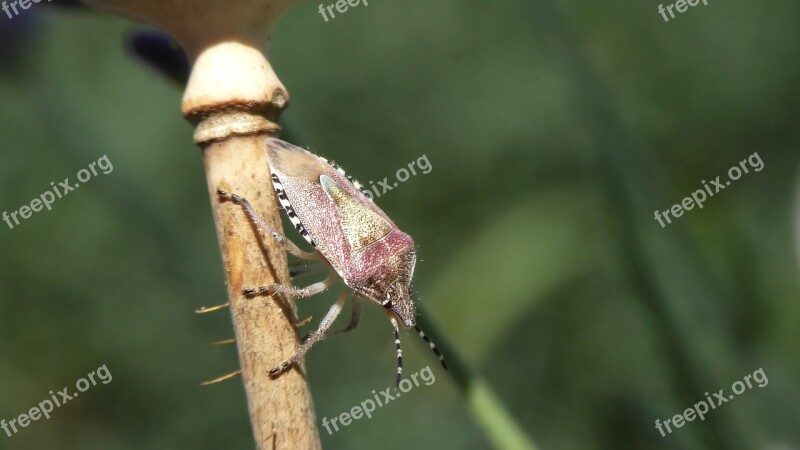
column 286, row 205
column 355, row 182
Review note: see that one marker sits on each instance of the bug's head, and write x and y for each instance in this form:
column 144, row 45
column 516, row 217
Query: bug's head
column 397, row 302
column 385, row 276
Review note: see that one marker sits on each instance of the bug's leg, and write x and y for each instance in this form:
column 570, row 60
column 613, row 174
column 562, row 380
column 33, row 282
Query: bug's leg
column 307, row 291
column 431, row 345
column 265, row 228
column 298, row 270
column 399, row 352
column 326, row 323
column 354, row 319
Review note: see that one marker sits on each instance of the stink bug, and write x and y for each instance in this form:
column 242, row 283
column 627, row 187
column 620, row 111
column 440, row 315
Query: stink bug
column 348, row 232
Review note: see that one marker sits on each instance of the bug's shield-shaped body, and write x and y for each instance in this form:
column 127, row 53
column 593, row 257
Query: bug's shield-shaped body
column 365, row 248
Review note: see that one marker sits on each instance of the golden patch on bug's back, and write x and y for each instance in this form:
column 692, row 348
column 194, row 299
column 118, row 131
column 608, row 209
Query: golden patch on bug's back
column 361, row 225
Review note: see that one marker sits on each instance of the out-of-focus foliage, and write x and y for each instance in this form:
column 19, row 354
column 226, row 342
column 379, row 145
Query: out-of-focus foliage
column 554, row 130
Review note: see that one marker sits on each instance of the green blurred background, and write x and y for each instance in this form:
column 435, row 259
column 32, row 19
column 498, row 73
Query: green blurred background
column 554, row 129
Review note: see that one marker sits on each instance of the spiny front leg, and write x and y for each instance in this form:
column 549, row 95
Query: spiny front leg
column 324, row 325
column 307, row 291
column 265, row 228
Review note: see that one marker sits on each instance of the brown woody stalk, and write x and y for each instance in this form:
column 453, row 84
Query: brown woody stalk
column 234, row 98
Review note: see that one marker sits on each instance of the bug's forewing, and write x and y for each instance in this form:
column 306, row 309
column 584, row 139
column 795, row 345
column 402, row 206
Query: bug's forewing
column 331, row 213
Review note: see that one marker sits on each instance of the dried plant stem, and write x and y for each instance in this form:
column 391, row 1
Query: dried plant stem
column 231, row 118
column 234, row 98
column 280, row 409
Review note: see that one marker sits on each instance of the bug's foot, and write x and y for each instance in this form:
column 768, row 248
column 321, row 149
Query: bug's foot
column 280, row 369
column 228, row 196
column 252, row 292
